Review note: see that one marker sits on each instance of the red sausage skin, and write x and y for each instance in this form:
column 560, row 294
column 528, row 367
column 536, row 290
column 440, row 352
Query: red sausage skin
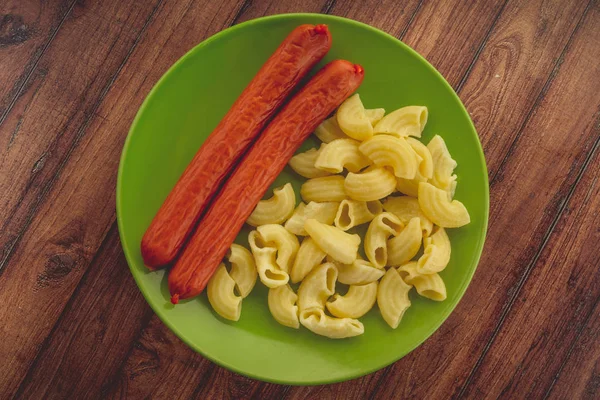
column 176, row 218
column 259, row 168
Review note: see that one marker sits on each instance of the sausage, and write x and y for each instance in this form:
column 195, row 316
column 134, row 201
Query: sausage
column 257, row 104
column 257, row 170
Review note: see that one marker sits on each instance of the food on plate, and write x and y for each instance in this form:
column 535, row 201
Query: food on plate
column 380, row 229
column 256, row 171
column 259, row 101
column 275, row 210
column 352, row 213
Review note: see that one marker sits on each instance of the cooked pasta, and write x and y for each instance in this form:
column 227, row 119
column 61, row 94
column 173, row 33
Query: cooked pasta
column 322, row 212
column 353, row 120
column 393, row 152
column 360, row 272
column 329, row 188
column 383, row 226
column 221, row 295
column 406, row 121
column 316, row 288
column 425, row 169
column 268, row 271
column 373, row 184
column 339, row 154
column 318, row 322
column 352, row 213
column 282, row 305
column 392, row 297
column 355, row 303
column 329, row 130
column 276, row 209
column 406, row 208
column 436, row 255
column 428, row 285
column 304, row 164
column 403, row 247
column 309, row 256
column 443, row 165
column 342, row 246
column 286, row 244
column 243, row 269
column 374, row 115
column 439, row 209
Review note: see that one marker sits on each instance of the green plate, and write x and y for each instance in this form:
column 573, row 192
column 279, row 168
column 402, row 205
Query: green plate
column 178, row 115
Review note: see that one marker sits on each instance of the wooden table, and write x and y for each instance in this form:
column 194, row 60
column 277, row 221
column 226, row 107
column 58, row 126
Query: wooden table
column 73, row 323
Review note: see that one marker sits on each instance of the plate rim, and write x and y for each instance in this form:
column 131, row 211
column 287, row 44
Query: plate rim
column 129, row 257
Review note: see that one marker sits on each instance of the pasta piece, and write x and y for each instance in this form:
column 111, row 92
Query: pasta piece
column 406, row 244
column 276, row 209
column 406, row 208
column 352, row 213
column 392, row 297
column 286, row 244
column 316, row 288
column 304, row 164
column 282, row 305
column 426, row 163
column 340, row 154
column 353, row 120
column 316, row 321
column 443, row 165
column 329, row 130
column 360, row 272
column 221, row 295
column 329, row 188
column 243, row 269
column 393, row 152
column 374, row 115
column 269, row 272
column 383, row 226
column 309, row 256
column 322, row 212
column 437, row 253
column 373, row 184
column 439, row 209
column 406, row 121
column 431, row 286
column 354, row 304
column 342, row 246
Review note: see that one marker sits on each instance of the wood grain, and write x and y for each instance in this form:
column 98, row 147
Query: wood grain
column 68, row 228
column 26, row 29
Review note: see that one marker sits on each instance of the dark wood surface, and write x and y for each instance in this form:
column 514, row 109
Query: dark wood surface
column 73, row 323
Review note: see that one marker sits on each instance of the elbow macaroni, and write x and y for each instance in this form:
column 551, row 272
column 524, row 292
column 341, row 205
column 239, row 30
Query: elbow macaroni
column 286, row 244
column 430, row 286
column 373, row 184
column 352, row 213
column 221, row 295
column 406, row 121
column 437, row 253
column 334, row 328
column 339, row 154
column 322, row 212
column 276, row 209
column 353, row 120
column 393, row 152
column 304, row 164
column 443, row 165
column 406, row 244
column 439, row 209
column 342, row 246
column 392, row 297
column 243, row 269
column 329, row 130
column 282, row 305
column 316, row 288
column 360, row 272
column 269, row 272
column 374, row 115
column 406, row 208
column 354, row 304
column 328, row 188
column 383, row 226
column 309, row 256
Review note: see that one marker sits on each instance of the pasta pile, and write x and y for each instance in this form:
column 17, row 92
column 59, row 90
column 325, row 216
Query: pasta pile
column 365, row 157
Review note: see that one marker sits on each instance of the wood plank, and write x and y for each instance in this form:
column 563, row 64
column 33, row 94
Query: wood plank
column 79, row 208
column 526, row 191
column 580, row 376
column 26, row 29
column 260, row 8
column 561, row 291
column 44, row 124
column 98, row 325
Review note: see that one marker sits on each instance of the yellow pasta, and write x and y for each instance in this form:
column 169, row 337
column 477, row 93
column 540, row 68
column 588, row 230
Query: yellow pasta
column 374, row 115
column 406, row 244
column 355, row 303
column 329, row 130
column 316, row 321
column 436, row 255
column 322, row 212
column 353, row 120
column 329, row 188
column 304, row 164
column 316, row 288
column 425, row 169
column 373, row 184
column 392, row 297
column 243, row 269
column 406, row 208
column 393, row 152
column 276, row 209
column 282, row 305
column 443, row 165
column 431, row 285
column 406, row 121
column 221, row 295
column 339, row 154
column 268, row 271
column 309, row 256
column 383, row 226
column 352, row 213
column 360, row 272
column 286, row 244
column 439, row 209
column 342, row 246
